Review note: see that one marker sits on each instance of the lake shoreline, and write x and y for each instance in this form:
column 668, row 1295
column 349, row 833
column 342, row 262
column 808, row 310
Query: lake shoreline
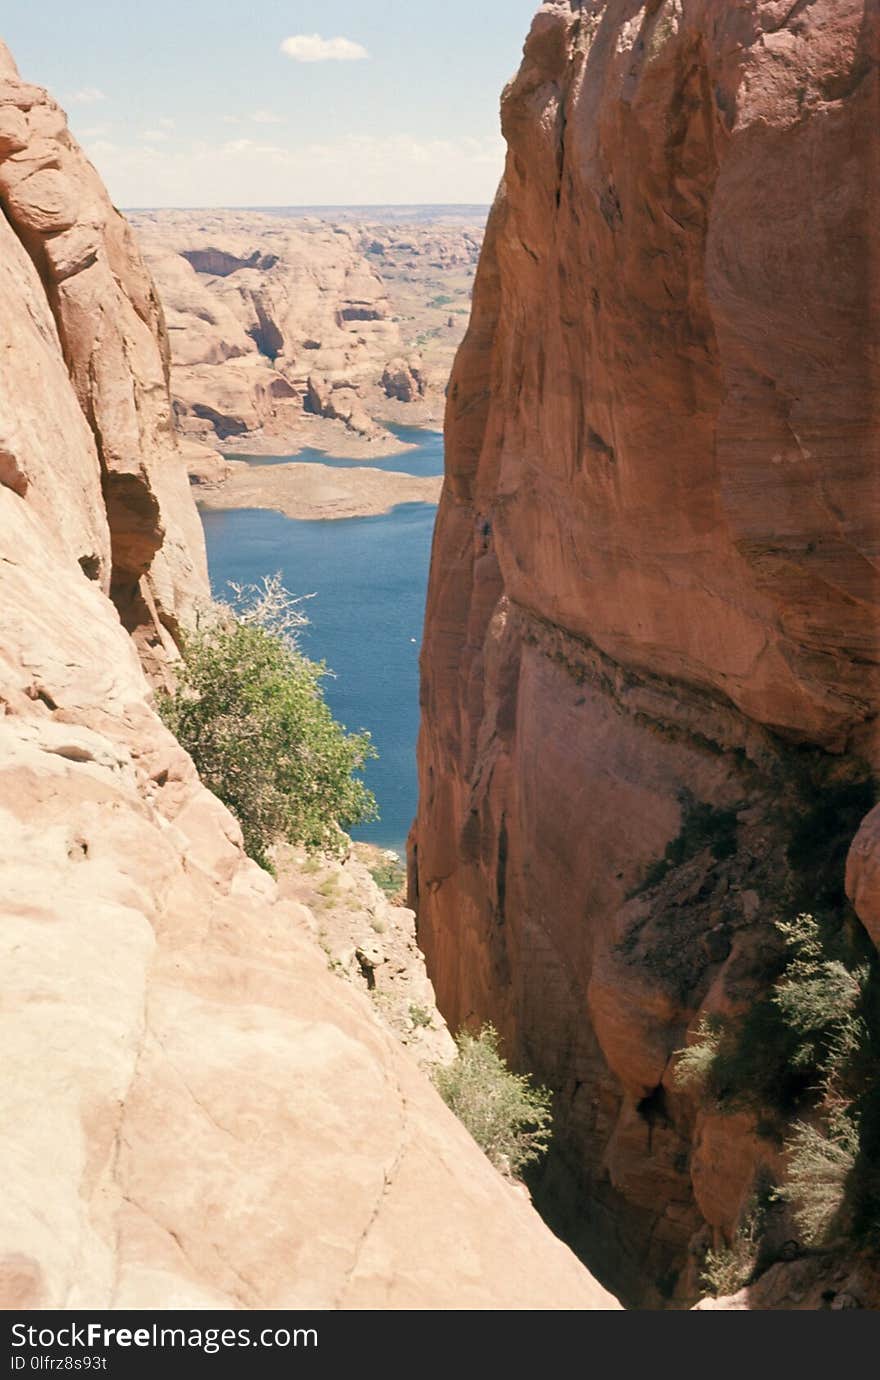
column 310, row 490
column 334, row 437
column 316, row 484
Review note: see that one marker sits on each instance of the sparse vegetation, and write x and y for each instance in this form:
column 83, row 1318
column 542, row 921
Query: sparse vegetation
column 819, row 1000
column 421, row 1016
column 249, row 708
column 821, row 1164
column 811, row 1046
column 730, row 1268
column 506, row 1114
column 703, row 826
column 696, row 1061
column 390, row 877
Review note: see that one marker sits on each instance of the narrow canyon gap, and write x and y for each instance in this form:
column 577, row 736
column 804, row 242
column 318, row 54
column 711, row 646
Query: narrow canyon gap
column 197, row 1114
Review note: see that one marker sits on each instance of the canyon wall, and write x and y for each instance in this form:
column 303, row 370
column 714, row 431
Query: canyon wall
column 196, row 1113
column 650, row 668
column 85, row 327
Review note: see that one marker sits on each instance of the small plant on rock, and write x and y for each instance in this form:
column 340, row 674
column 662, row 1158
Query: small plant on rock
column 730, row 1268
column 820, row 1166
column 390, row 877
column 695, row 1061
column 506, row 1114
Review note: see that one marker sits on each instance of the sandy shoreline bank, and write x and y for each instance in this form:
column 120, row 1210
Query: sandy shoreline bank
column 316, row 491
column 333, row 437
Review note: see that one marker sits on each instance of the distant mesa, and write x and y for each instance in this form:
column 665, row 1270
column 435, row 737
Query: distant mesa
column 284, row 333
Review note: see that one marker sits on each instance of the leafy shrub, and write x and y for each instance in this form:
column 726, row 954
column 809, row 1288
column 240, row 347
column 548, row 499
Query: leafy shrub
column 820, row 1166
column 746, row 1062
column 795, row 1040
column 696, row 1061
column 812, row 1044
column 507, row 1116
column 819, row 999
column 729, row 1269
column 249, row 709
column 390, row 877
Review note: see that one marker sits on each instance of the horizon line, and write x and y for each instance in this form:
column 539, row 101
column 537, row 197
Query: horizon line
column 326, row 206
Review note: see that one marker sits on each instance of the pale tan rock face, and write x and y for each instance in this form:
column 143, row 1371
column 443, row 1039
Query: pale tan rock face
column 269, row 319
column 653, row 612
column 290, row 331
column 195, row 1111
column 74, row 256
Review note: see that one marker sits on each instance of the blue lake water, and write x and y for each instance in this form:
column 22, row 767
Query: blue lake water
column 369, row 577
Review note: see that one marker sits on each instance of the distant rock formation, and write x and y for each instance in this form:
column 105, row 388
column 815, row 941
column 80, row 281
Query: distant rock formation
column 276, row 322
column 404, row 380
column 196, row 1113
column 651, row 668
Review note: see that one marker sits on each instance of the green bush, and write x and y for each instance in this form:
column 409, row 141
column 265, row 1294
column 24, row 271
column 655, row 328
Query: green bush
column 811, row 1045
column 249, row 709
column 695, row 1063
column 819, row 999
column 390, row 877
column 730, row 1268
column 820, row 1167
column 507, row 1116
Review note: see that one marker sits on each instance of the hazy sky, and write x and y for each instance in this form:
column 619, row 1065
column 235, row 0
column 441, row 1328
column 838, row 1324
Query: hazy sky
column 282, row 102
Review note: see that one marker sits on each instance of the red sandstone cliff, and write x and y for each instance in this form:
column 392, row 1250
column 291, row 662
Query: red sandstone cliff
column 195, row 1112
column 653, row 612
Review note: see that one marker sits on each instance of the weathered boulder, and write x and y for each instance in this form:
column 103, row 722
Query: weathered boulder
column 403, row 379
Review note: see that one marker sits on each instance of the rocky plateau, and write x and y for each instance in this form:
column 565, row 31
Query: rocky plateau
column 296, row 330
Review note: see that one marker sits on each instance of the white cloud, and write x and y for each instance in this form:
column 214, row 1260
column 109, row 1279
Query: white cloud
column 165, row 122
column 87, row 95
column 314, row 48
column 153, row 136
column 265, row 117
